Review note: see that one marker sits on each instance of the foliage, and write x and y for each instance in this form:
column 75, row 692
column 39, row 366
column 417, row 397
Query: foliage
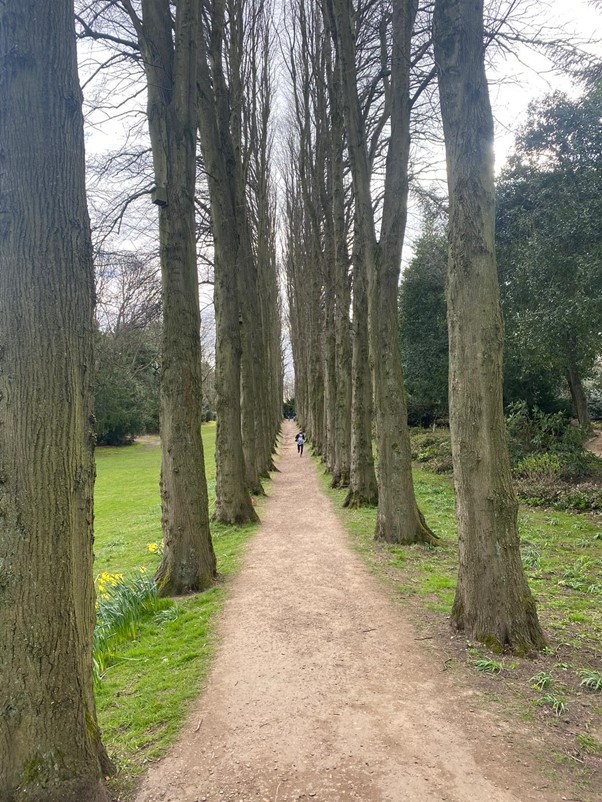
column 551, row 467
column 541, row 680
column 128, row 311
column 488, row 666
column 557, row 703
column 127, row 385
column 432, row 448
column 121, row 605
column 591, row 679
column 589, row 744
column 423, row 325
column 288, row 408
column 549, row 245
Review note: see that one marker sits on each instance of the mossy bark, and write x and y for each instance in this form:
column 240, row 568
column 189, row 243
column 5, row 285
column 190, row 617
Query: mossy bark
column 188, row 562
column 50, row 747
column 493, row 603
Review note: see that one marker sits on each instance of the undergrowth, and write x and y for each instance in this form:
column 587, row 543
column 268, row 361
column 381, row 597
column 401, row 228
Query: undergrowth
column 550, row 466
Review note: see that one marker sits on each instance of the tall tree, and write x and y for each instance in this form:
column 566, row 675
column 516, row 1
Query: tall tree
column 422, row 312
column 49, row 739
column 549, row 239
column 493, row 603
column 230, row 234
column 169, row 53
column 399, row 520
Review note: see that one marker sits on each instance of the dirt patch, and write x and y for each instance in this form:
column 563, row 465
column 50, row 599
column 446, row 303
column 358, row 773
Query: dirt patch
column 595, row 444
column 321, row 689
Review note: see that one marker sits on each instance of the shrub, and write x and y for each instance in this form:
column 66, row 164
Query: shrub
column 539, row 467
column 432, row 448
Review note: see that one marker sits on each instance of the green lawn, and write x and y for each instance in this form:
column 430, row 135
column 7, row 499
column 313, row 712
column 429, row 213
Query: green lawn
column 147, row 690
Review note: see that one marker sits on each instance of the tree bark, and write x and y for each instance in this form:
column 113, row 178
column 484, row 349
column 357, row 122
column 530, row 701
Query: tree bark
column 188, row 562
column 232, row 500
column 493, row 603
column 49, row 740
column 363, row 489
column 343, row 348
column 578, row 396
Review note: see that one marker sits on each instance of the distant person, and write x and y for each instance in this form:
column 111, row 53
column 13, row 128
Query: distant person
column 300, row 440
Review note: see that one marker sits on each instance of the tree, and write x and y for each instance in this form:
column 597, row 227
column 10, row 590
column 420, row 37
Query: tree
column 398, row 520
column 232, row 247
column 49, row 738
column 126, row 385
column 549, row 240
column 127, row 363
column 423, row 322
column 170, row 64
column 493, row 603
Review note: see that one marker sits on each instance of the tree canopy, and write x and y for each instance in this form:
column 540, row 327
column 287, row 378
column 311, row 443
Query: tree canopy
column 549, row 239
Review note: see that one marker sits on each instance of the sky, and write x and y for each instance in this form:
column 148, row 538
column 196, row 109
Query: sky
column 530, row 77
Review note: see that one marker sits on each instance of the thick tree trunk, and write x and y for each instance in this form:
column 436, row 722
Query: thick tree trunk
column 493, row 602
column 578, row 396
column 188, row 562
column 232, row 500
column 246, row 268
column 341, row 456
column 363, row 490
column 50, row 748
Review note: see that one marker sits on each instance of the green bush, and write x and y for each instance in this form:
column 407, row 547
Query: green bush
column 550, row 466
column 539, row 466
column 546, row 446
column 126, row 387
column 432, row 448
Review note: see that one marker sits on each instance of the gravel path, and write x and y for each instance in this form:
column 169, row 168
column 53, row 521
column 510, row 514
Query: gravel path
column 320, row 691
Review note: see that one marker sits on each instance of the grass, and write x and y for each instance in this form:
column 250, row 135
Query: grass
column 149, row 681
column 562, row 556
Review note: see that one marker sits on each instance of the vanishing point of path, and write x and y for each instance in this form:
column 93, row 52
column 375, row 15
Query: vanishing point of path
column 320, row 691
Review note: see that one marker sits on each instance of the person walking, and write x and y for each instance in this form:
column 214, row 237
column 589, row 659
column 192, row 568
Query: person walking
column 300, row 440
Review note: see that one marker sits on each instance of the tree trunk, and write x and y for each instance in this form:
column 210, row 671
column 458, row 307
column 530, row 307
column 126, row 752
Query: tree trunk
column 578, row 396
column 493, row 603
column 363, row 490
column 49, row 740
column 188, row 562
column 232, row 500
column 342, row 460
column 398, row 519
column 246, row 267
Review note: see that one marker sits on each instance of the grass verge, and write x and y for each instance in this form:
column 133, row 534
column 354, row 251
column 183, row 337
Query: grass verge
column 562, row 555
column 150, row 681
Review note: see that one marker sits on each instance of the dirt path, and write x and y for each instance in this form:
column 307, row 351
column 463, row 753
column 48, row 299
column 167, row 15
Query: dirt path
column 320, row 690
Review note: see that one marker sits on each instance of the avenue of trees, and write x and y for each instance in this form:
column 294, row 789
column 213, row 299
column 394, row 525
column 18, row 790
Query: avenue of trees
column 202, row 78
column 365, row 81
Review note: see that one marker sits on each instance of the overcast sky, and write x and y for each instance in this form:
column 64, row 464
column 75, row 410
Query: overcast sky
column 532, row 78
